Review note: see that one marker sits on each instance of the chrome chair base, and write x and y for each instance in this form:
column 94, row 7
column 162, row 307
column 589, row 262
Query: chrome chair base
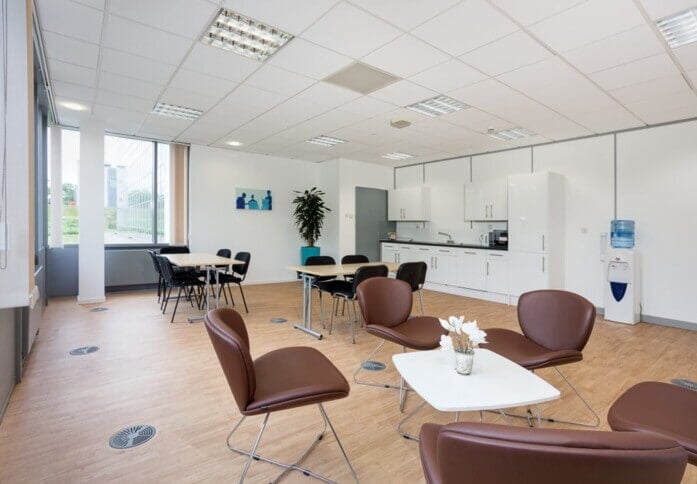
column 402, row 387
column 295, row 466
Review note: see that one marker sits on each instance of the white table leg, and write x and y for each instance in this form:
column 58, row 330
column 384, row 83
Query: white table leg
column 191, row 319
column 306, row 324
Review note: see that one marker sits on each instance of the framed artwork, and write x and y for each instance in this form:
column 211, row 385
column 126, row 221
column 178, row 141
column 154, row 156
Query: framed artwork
column 253, row 199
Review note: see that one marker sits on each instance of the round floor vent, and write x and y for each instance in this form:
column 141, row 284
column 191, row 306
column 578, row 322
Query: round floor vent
column 373, row 366
column 98, row 310
column 278, row 320
column 84, row 350
column 681, row 382
column 131, row 436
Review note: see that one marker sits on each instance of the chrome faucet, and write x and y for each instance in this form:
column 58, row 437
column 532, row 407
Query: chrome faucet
column 450, row 238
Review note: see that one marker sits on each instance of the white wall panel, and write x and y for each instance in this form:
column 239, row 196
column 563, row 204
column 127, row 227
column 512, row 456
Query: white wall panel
column 497, row 165
column 409, row 176
column 656, row 178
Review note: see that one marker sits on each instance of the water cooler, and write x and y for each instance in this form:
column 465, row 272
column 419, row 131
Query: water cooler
column 622, row 286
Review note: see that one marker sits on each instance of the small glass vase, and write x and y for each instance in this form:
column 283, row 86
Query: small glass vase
column 464, row 359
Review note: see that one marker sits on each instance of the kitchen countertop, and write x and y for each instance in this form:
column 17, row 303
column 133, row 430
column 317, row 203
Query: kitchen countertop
column 443, row 244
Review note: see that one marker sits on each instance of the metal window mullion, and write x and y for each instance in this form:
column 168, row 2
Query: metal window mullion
column 154, row 193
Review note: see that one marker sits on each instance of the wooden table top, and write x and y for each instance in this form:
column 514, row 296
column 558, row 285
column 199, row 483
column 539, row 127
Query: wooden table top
column 340, row 269
column 200, row 259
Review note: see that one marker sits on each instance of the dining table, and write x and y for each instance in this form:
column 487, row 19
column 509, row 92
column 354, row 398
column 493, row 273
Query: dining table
column 210, row 262
column 309, row 273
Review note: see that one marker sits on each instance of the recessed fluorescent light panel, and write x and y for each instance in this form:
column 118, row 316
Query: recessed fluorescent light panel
column 245, row 36
column 679, row 29
column 327, row 141
column 512, row 134
column 234, row 143
column 397, row 156
column 437, row 106
column 73, row 106
column 173, row 111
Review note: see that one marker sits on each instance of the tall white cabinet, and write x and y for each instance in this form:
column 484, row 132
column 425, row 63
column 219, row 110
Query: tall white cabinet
column 535, row 232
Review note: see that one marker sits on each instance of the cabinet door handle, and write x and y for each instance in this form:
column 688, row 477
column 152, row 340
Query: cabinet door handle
column 423, row 248
column 486, row 211
column 436, row 258
column 495, row 255
column 444, row 250
column 470, row 253
column 543, row 241
column 487, row 268
column 543, row 263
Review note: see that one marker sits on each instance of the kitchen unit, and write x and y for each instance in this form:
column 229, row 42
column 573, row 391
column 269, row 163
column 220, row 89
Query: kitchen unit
column 411, row 204
column 486, row 200
column 535, row 232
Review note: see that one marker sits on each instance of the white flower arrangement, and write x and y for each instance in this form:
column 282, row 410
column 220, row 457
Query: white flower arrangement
column 467, row 334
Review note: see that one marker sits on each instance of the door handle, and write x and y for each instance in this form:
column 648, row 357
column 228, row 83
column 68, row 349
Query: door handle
column 436, row 258
column 487, row 268
column 470, row 253
column 543, row 263
column 486, row 211
column 543, row 242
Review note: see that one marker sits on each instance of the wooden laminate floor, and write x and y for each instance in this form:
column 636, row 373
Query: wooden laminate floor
column 60, row 418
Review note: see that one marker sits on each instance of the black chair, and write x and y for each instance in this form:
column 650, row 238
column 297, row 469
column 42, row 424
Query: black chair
column 238, row 275
column 160, row 279
column 322, row 283
column 227, row 253
column 353, row 259
column 413, row 273
column 180, row 281
column 175, row 249
column 349, row 294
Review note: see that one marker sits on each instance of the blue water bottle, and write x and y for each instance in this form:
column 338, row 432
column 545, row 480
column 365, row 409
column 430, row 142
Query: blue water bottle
column 622, row 234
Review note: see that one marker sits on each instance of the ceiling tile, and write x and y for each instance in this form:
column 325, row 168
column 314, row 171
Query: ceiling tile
column 74, row 92
column 350, row 31
column 134, row 66
column 506, row 54
column 666, row 106
column 69, row 117
column 309, row 59
column 627, row 46
column 465, row 27
column 275, row 79
column 189, row 99
column 658, row 9
column 119, row 120
column 693, row 76
column 163, row 126
column 687, row 55
column 293, row 17
column 62, row 71
column 219, row 63
column 201, row 83
column 608, row 120
column 477, row 120
column 405, row 14
column 588, row 22
column 528, row 13
column 206, row 130
column 483, row 94
column 71, row 50
column 327, row 95
column 92, row 3
column 642, row 70
column 182, row 17
column 367, row 106
column 250, row 98
column 448, row 76
column 403, row 93
column 405, row 56
column 124, row 101
column 128, row 36
column 655, row 89
column 71, row 19
column 128, row 86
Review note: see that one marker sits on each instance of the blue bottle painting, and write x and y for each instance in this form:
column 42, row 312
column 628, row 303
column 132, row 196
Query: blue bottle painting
column 253, row 199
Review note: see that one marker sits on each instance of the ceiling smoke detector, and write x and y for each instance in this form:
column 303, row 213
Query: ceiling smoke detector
column 400, row 123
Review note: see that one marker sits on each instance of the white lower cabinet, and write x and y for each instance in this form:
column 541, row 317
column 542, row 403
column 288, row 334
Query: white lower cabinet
column 529, row 272
column 442, row 267
column 390, row 253
column 471, row 269
column 497, row 279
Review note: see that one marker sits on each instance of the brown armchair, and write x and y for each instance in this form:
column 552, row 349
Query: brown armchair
column 279, row 380
column 556, row 326
column 492, row 454
column 386, row 305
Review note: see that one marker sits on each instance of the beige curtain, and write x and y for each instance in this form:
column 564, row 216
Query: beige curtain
column 179, row 184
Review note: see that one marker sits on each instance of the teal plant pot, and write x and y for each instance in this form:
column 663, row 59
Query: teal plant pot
column 306, row 252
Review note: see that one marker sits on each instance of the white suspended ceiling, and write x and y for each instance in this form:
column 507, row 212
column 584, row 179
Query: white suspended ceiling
column 561, row 68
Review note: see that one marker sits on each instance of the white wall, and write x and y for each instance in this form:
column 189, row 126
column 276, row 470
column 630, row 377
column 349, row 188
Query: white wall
column 91, row 212
column 656, row 180
column 587, row 167
column 329, row 173
column 357, row 174
column 270, row 236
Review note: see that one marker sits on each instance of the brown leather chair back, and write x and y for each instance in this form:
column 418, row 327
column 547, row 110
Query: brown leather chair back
column 384, row 301
column 492, row 454
column 228, row 334
column 557, row 320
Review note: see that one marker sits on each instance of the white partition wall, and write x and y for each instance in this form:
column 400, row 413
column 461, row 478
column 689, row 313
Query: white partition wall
column 656, row 179
column 91, row 212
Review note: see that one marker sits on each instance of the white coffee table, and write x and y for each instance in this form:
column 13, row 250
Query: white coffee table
column 495, row 383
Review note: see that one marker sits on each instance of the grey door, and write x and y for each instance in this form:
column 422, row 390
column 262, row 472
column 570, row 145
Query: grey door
column 371, row 221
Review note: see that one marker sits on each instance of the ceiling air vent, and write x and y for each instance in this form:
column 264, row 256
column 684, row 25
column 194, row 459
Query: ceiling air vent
column 361, row 78
column 400, row 123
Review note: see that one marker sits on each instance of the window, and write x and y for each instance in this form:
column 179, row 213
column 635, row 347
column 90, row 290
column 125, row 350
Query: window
column 70, row 154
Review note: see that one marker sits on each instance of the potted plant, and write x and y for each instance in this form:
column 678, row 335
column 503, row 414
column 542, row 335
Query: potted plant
column 309, row 213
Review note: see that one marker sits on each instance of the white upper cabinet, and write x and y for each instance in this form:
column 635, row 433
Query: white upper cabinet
column 409, row 204
column 486, row 200
column 528, row 222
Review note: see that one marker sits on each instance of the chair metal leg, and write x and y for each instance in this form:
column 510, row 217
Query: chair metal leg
column 402, row 389
column 421, row 302
column 331, row 320
column 221, row 288
column 243, row 299
column 360, row 368
column 404, row 434
column 179, row 294
column 295, row 466
column 321, row 308
column 353, row 323
column 232, row 299
column 169, row 294
column 529, row 417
